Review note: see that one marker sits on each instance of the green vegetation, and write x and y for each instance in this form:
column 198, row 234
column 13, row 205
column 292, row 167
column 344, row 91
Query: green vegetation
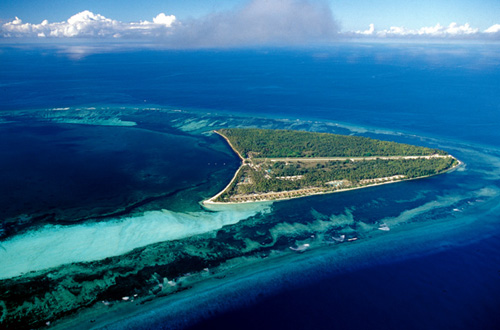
column 281, row 176
column 282, row 164
column 264, row 143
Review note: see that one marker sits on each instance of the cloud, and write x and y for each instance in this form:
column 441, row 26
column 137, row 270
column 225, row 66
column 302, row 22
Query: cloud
column 493, row 29
column 254, row 23
column 257, row 22
column 89, row 25
column 369, row 32
column 438, row 30
column 261, row 22
column 452, row 31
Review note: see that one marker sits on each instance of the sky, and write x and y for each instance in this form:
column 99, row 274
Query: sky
column 213, row 23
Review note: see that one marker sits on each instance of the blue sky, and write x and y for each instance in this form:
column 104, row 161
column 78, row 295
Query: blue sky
column 356, row 14
column 240, row 22
column 352, row 14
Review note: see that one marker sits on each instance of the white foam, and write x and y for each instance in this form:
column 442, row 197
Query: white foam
column 53, row 246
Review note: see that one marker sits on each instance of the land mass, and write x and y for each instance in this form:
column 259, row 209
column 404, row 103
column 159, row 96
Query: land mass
column 284, row 164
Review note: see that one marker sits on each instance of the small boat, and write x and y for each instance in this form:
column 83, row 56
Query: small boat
column 352, row 239
column 339, row 239
column 300, row 248
column 384, row 227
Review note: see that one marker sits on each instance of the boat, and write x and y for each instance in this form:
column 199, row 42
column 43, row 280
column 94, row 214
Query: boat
column 339, row 239
column 300, row 248
column 384, row 227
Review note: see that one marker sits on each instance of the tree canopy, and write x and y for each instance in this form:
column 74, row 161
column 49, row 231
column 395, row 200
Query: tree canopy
column 266, row 143
column 285, row 164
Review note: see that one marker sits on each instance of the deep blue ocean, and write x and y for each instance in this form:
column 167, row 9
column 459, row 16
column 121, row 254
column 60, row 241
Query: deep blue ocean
column 445, row 90
column 447, row 96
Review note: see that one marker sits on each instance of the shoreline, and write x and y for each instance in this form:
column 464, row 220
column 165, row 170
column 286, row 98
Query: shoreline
column 229, row 142
column 210, row 203
column 210, row 200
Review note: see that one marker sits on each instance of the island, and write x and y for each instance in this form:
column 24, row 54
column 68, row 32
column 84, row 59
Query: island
column 285, row 164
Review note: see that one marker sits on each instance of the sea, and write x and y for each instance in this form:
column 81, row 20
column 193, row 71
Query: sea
column 108, row 150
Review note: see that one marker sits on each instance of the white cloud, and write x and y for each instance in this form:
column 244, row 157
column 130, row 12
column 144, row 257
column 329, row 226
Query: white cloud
column 432, row 31
column 452, row 31
column 257, row 22
column 493, row 29
column 88, row 24
column 164, row 19
column 369, row 32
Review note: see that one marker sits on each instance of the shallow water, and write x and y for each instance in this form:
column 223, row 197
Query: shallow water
column 54, row 246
